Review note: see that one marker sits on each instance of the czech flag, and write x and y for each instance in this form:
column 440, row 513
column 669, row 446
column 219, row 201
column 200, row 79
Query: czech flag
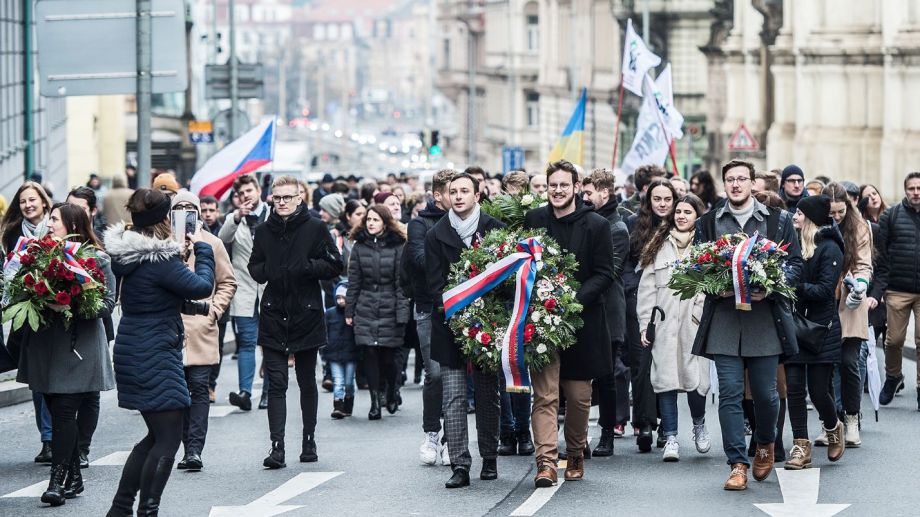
column 570, row 145
column 244, row 155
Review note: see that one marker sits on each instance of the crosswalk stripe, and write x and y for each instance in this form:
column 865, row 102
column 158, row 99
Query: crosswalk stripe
column 221, row 411
column 537, row 500
column 35, row 490
column 116, row 459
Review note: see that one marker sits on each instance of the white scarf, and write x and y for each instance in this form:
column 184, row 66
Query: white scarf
column 34, row 231
column 465, row 228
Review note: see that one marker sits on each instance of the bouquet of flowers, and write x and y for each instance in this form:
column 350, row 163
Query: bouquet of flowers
column 51, row 278
column 510, row 209
column 536, row 310
column 736, row 263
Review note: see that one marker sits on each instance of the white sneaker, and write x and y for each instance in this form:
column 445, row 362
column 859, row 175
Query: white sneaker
column 445, row 457
column 701, row 438
column 428, row 452
column 852, row 432
column 821, row 440
column 671, row 449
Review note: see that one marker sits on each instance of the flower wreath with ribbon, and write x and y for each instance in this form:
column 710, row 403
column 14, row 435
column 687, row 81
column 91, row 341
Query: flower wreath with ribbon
column 512, row 305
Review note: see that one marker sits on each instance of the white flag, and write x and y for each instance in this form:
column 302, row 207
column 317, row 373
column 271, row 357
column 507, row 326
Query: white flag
column 637, row 60
column 663, row 93
column 650, row 146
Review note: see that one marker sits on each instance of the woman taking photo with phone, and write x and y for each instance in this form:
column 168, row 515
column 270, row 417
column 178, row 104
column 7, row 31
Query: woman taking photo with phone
column 822, row 250
column 70, row 366
column 155, row 283
column 674, row 369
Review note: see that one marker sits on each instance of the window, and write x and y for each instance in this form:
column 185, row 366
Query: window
column 319, row 32
column 533, row 109
column 533, row 33
column 333, row 31
column 446, row 64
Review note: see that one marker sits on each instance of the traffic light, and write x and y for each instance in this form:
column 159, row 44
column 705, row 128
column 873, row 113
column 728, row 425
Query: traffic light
column 434, row 149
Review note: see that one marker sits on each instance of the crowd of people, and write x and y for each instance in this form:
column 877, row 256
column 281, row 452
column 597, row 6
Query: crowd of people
column 346, row 277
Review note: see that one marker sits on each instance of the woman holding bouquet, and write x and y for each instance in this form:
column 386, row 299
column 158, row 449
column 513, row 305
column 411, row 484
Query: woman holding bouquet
column 822, row 250
column 155, row 283
column 674, row 369
column 70, row 366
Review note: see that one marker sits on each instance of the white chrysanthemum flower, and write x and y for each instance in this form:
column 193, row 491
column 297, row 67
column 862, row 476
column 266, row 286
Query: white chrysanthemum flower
column 541, row 348
column 552, row 250
column 536, row 316
column 527, row 199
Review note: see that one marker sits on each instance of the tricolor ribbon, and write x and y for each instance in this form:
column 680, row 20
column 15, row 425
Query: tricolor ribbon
column 70, row 262
column 740, row 277
column 525, row 262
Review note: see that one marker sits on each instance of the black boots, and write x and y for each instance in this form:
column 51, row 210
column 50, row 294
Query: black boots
column 242, row 400
column 374, row 413
column 130, row 483
column 644, row 440
column 349, row 405
column 605, row 443
column 73, row 484
column 263, row 400
column 191, row 462
column 44, row 456
column 892, row 386
column 308, row 453
column 55, row 493
column 392, row 400
column 338, row 409
column 275, row 459
column 153, row 482
column 489, row 469
column 460, row 478
column 507, row 445
column 525, row 443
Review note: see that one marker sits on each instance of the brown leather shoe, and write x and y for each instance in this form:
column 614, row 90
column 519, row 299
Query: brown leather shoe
column 799, row 456
column 835, row 442
column 763, row 461
column 737, row 480
column 546, row 476
column 575, row 468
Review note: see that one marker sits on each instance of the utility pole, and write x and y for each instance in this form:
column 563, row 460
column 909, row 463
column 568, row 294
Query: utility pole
column 234, row 72
column 646, row 25
column 28, row 91
column 144, row 89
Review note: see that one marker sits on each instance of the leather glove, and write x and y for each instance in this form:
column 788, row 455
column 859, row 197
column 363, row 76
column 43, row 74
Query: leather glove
column 196, row 308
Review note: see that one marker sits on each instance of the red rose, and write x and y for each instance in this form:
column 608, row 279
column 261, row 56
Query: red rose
column 91, row 263
column 472, row 332
column 41, row 288
column 69, row 275
column 476, row 245
column 75, row 290
column 62, row 298
column 529, row 330
column 728, row 263
column 550, row 304
column 28, row 280
column 27, row 259
column 486, row 338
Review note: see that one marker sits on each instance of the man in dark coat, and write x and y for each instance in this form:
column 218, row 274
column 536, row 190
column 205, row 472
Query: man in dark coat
column 613, row 388
column 463, row 226
column 432, row 394
column 585, row 234
column 793, row 187
column 292, row 252
column 754, row 340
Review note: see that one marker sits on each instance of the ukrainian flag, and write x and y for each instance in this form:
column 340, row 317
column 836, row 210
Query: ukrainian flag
column 570, row 145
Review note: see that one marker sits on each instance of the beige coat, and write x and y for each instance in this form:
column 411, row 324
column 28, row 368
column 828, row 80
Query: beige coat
column 114, row 206
column 201, row 332
column 673, row 366
column 855, row 323
column 248, row 290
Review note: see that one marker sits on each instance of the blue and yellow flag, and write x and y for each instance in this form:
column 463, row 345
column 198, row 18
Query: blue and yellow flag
column 570, row 145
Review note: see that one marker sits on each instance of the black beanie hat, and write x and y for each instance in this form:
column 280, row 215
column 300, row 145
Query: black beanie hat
column 817, row 209
column 792, row 170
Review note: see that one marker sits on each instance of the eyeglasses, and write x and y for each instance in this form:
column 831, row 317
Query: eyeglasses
column 282, row 199
column 184, row 206
column 564, row 187
column 740, row 180
column 795, row 181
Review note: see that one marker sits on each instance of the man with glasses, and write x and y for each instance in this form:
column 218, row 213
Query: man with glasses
column 292, row 253
column 793, row 187
column 753, row 340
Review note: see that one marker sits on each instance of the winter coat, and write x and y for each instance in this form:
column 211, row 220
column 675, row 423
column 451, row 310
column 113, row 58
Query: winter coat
column 202, row 333
column 855, row 322
column 616, row 297
column 792, row 204
column 587, row 236
column 674, row 367
column 770, row 319
column 415, row 249
column 374, row 299
column 291, row 257
column 114, row 206
column 148, row 345
column 815, row 298
column 238, row 239
column 443, row 247
column 48, row 363
column 878, row 317
column 340, row 338
column 899, row 250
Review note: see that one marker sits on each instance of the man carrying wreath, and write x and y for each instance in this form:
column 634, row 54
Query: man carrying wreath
column 463, row 227
column 752, row 339
column 579, row 231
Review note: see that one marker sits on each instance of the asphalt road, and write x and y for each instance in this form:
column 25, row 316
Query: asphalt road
column 371, row 468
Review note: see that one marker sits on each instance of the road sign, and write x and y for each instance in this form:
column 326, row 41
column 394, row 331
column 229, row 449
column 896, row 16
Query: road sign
column 512, row 158
column 217, row 79
column 201, row 132
column 89, row 47
column 742, row 140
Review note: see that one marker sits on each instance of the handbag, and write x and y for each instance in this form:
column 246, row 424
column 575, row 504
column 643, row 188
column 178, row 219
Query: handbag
column 809, row 334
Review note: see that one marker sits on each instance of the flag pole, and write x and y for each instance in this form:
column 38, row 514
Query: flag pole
column 616, row 133
column 673, row 153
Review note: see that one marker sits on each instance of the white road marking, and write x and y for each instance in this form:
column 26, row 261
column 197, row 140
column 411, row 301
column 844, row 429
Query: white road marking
column 537, row 500
column 116, row 459
column 221, row 411
column 35, row 490
column 800, row 496
column 270, row 503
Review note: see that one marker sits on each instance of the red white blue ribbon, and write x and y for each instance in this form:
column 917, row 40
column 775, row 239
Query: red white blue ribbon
column 70, row 262
column 524, row 262
column 740, row 277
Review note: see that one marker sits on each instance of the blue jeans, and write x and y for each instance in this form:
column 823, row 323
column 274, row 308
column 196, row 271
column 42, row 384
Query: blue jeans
column 343, row 379
column 667, row 406
column 247, row 335
column 432, row 390
column 762, row 374
column 42, row 416
column 515, row 415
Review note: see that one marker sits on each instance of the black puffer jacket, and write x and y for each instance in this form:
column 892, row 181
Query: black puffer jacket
column 374, row 299
column 616, row 299
column 815, row 299
column 293, row 256
column 898, row 250
column 415, row 248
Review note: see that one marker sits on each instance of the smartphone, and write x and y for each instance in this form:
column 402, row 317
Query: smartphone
column 183, row 222
column 191, row 222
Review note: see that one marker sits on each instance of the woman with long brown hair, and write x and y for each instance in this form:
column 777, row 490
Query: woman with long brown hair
column 871, row 204
column 374, row 303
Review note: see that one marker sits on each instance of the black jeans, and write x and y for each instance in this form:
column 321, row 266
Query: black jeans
column 87, row 419
column 276, row 371
column 645, row 403
column 64, row 408
column 380, row 367
column 817, row 377
column 612, row 389
column 850, row 378
column 195, row 427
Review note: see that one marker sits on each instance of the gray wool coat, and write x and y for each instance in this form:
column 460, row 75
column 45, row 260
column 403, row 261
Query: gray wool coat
column 48, row 364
